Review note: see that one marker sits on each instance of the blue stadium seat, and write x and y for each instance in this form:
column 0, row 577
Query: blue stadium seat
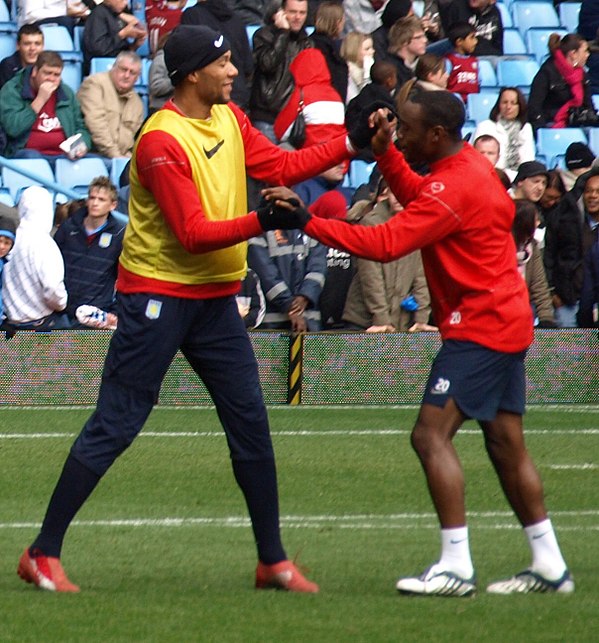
column 359, row 172
column 71, row 74
column 568, row 15
column 8, row 40
column 6, row 197
column 15, row 182
column 506, row 16
column 78, row 37
column 77, row 175
column 57, row 38
column 139, row 10
column 144, row 79
column 594, row 140
column 551, row 143
column 478, row 106
column 486, row 74
column 251, row 30
column 4, row 13
column 513, row 44
column 468, row 130
column 537, row 39
column 528, row 14
column 516, row 73
column 100, row 64
column 118, row 165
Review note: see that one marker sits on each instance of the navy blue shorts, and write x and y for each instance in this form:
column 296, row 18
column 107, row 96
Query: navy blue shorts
column 151, row 329
column 481, row 381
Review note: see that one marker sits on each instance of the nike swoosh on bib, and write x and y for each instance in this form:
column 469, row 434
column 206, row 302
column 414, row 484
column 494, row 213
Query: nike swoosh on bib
column 210, row 153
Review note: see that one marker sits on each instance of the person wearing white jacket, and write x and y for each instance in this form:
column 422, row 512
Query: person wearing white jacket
column 33, row 279
column 507, row 123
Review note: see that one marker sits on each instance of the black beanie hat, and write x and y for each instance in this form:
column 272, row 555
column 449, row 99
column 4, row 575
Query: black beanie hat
column 395, row 10
column 191, row 47
column 579, row 155
column 8, row 227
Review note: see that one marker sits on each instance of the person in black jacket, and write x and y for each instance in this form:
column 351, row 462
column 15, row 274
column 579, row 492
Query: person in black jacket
column 394, row 10
column 329, row 24
column 220, row 16
column 30, row 42
column 110, row 30
column 571, row 232
column 407, row 41
column 550, row 92
column 484, row 16
column 275, row 46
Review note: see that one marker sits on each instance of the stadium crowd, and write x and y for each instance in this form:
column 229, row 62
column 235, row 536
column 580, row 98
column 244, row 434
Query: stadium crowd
column 306, row 70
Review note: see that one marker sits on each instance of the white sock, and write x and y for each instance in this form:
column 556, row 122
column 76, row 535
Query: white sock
column 547, row 558
column 455, row 552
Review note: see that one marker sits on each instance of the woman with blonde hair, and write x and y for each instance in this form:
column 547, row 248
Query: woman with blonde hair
column 357, row 50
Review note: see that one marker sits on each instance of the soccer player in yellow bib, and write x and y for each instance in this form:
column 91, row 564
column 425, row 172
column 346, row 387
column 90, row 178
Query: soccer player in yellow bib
column 184, row 255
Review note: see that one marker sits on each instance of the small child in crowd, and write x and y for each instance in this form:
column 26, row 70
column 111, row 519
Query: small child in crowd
column 7, row 240
column 463, row 77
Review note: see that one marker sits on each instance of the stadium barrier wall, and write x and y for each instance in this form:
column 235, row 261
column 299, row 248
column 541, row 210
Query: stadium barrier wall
column 64, row 368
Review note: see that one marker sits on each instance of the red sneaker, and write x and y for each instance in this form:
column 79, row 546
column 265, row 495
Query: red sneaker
column 283, row 575
column 45, row 572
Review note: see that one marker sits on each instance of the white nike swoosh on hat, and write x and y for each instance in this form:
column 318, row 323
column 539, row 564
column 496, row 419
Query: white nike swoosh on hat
column 219, row 41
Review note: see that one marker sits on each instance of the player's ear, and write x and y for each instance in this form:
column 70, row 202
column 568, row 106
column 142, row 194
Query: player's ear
column 437, row 133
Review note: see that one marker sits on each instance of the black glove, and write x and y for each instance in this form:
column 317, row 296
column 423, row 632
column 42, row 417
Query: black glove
column 272, row 217
column 360, row 132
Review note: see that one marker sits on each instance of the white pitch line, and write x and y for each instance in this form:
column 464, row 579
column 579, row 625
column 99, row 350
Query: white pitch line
column 573, row 467
column 301, row 433
column 569, row 408
column 358, row 521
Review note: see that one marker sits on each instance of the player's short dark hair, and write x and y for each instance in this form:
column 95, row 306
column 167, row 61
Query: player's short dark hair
column 459, row 31
column 29, row 30
column 440, row 108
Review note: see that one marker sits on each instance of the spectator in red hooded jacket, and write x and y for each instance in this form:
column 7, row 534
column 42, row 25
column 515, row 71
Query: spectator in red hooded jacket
column 323, row 109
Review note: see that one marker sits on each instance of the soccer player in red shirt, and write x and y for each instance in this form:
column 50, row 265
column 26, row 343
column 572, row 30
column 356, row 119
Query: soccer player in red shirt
column 460, row 216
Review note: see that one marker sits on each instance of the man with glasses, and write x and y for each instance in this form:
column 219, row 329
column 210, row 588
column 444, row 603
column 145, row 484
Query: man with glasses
column 113, row 111
column 407, row 41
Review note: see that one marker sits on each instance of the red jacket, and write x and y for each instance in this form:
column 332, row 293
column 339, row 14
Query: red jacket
column 324, row 111
column 460, row 216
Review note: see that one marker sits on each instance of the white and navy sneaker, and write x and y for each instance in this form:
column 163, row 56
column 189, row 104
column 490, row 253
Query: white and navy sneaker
column 437, row 582
column 94, row 317
column 528, row 582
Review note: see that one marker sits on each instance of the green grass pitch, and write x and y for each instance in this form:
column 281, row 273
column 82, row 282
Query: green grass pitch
column 163, row 550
